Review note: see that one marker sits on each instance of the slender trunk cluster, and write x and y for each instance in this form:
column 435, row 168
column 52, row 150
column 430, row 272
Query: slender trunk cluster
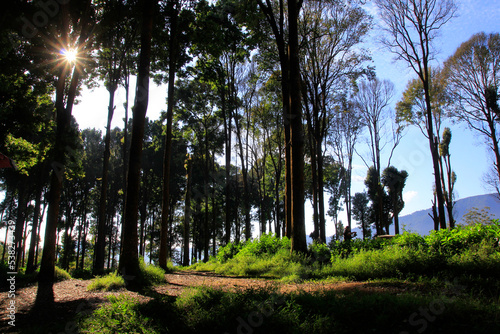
column 129, row 259
column 167, row 157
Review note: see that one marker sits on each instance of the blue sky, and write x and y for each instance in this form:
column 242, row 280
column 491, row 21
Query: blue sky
column 470, row 158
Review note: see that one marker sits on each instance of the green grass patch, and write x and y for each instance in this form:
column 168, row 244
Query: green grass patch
column 109, row 282
column 466, row 251
column 121, row 316
column 151, row 275
column 61, row 274
column 263, row 310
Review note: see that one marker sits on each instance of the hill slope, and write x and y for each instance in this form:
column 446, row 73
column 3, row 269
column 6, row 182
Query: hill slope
column 421, row 222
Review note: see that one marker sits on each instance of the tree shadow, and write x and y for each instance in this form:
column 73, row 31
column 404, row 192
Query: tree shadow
column 55, row 317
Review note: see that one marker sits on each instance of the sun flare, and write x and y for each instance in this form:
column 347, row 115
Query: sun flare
column 70, row 55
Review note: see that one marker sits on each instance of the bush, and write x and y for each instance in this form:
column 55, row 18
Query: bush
column 392, row 261
column 266, row 244
column 411, row 240
column 121, row 316
column 61, row 274
column 109, row 282
column 462, row 238
column 82, row 273
column 152, row 275
column 344, row 249
column 227, row 252
column 471, row 250
column 319, row 252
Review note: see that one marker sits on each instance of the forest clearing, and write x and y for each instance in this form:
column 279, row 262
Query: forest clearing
column 244, row 164
column 445, row 283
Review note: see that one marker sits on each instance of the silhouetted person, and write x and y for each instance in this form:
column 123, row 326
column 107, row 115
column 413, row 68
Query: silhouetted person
column 348, row 235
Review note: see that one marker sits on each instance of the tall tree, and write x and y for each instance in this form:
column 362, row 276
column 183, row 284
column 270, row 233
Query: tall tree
column 274, row 13
column 372, row 102
column 378, row 196
column 129, row 258
column 298, row 224
column 412, row 27
column 412, row 110
column 451, row 177
column 116, row 41
column 395, row 181
column 64, row 100
column 329, row 33
column 173, row 9
column 347, row 126
column 361, row 212
column 473, row 74
column 187, row 212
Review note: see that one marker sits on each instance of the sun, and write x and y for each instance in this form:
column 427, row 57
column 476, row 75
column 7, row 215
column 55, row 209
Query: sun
column 70, row 55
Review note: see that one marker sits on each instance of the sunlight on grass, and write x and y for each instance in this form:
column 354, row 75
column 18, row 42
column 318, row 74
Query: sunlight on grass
column 109, row 282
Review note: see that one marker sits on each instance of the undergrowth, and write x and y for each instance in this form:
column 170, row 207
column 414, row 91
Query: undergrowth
column 109, row 282
column 469, row 251
column 264, row 310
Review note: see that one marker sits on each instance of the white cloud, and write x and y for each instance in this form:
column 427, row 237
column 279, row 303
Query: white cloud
column 409, row 195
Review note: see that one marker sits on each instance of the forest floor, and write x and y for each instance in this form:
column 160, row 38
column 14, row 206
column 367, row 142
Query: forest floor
column 72, row 297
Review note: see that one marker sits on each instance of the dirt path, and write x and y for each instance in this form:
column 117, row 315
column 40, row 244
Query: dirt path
column 72, row 297
column 180, row 280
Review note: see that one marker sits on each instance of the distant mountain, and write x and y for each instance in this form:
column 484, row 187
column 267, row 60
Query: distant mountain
column 421, row 221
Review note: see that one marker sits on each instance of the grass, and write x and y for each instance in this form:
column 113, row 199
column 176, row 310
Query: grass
column 109, row 282
column 443, row 283
column 468, row 251
column 151, row 275
column 61, row 274
column 121, row 316
column 263, row 310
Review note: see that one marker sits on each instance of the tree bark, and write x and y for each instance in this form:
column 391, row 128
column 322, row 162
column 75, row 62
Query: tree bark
column 296, row 134
column 22, row 203
column 167, row 156
column 101, row 221
column 129, row 259
column 45, row 293
column 30, row 266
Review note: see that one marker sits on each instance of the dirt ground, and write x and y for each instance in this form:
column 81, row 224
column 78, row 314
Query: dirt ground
column 72, row 297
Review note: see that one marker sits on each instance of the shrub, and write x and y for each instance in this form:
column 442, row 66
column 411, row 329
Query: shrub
column 344, row 249
column 121, row 316
column 266, row 244
column 109, row 282
column 61, row 274
column 82, row 273
column 152, row 275
column 411, row 240
column 319, row 252
column 462, row 238
column 227, row 252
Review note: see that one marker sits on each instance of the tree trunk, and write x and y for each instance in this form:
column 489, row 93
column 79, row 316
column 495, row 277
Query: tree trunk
column 38, row 238
column 101, row 220
column 314, row 170
column 167, row 155
column 205, row 233
column 129, row 259
column 433, row 147
column 449, row 199
column 244, row 171
column 22, row 203
column 30, row 266
column 84, row 241
column 124, row 147
column 45, row 293
column 296, row 134
column 321, row 198
column 495, row 147
column 187, row 211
